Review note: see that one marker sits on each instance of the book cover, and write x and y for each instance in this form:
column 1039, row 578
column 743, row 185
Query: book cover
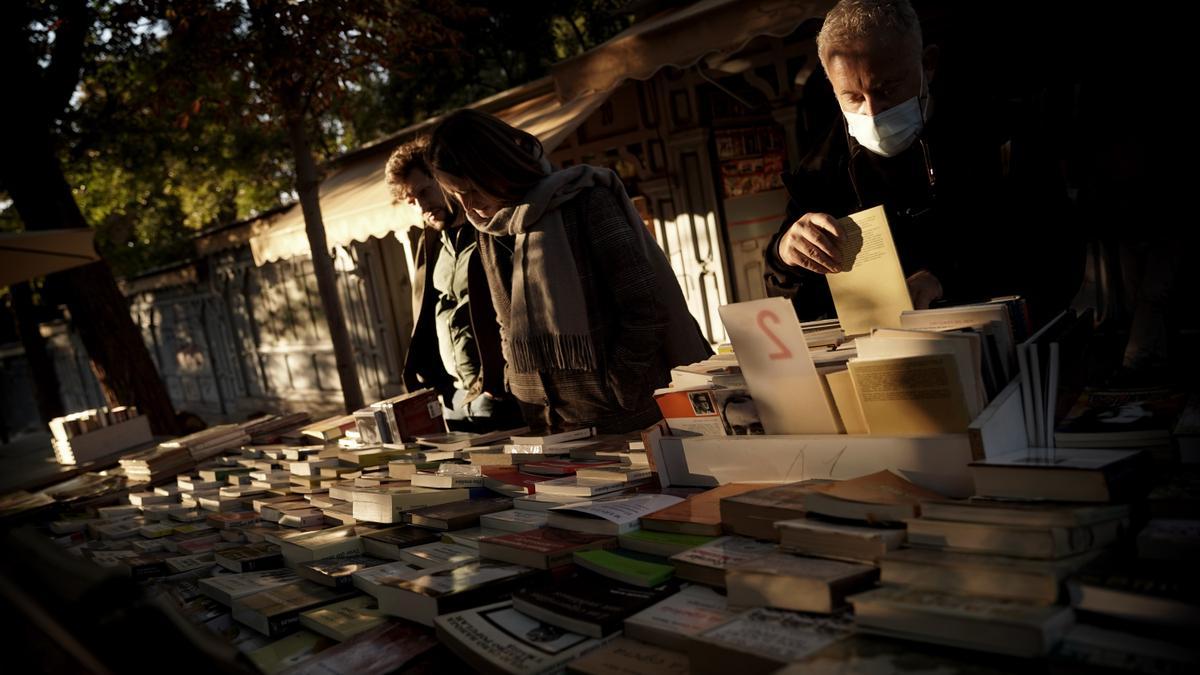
column 1132, row 414
column 795, row 582
column 385, row 649
column 250, row 558
column 880, row 496
column 337, row 572
column 672, row 622
column 766, row 639
column 571, row 486
column 721, row 553
column 625, row 568
column 387, row 542
column 458, row 515
column 513, row 520
column 1070, row 474
column 343, row 620
column 497, row 638
column 611, row 515
column 981, row 624
column 663, row 544
column 276, row 611
column 543, row 548
column 1029, row 514
column 581, row 605
column 623, row 656
column 699, row 514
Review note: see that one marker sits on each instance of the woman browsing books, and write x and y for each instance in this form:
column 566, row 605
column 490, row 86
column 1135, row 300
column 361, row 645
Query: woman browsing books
column 591, row 316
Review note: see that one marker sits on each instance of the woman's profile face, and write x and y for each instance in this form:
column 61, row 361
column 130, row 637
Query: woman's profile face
column 478, row 206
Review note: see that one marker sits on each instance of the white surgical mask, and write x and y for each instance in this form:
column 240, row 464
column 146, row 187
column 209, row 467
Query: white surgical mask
column 890, row 132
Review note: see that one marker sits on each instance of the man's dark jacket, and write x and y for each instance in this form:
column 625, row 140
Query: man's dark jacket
column 423, row 363
column 995, row 222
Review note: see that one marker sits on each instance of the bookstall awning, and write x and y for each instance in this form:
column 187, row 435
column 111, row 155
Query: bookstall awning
column 681, row 39
column 356, row 204
column 32, row 254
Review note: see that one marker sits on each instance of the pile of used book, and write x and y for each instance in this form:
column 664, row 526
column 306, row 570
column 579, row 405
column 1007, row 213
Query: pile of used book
column 388, row 536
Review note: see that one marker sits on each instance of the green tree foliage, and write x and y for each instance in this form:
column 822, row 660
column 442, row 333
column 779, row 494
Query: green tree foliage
column 169, row 130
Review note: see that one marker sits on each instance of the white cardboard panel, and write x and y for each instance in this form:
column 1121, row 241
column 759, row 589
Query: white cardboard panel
column 938, row 463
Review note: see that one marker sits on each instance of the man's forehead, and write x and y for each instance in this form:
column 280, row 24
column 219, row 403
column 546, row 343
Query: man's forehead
column 866, row 66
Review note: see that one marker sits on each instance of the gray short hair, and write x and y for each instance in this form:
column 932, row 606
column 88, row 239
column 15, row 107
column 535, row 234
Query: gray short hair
column 884, row 23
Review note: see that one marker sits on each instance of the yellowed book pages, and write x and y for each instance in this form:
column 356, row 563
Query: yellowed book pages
column 878, row 347
column 846, row 400
column 870, row 291
column 913, row 395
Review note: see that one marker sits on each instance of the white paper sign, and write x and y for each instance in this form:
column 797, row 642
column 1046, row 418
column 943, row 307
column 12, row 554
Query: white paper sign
column 779, row 371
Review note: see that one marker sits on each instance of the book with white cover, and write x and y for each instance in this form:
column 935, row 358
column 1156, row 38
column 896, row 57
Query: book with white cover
column 763, row 640
column 673, row 623
column 498, row 639
column 706, row 564
column 226, row 588
column 615, row 515
column 571, row 486
column 369, row 580
column 553, row 438
column 437, row 554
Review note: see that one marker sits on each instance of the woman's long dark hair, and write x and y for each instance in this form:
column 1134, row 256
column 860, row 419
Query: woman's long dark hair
column 501, row 160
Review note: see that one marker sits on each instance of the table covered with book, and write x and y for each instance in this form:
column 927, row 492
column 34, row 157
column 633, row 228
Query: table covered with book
column 382, row 542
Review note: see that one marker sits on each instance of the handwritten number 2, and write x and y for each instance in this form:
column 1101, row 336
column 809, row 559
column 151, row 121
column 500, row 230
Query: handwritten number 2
column 784, row 352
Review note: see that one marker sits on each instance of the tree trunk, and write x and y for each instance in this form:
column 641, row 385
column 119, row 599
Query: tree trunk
column 33, row 178
column 41, row 366
column 308, row 185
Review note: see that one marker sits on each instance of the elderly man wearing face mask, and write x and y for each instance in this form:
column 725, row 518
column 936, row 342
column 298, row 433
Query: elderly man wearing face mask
column 975, row 210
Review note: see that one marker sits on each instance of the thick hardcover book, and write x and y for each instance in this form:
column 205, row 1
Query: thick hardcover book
column 1073, row 475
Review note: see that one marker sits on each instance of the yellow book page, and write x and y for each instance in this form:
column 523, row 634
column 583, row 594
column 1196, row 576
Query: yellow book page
column 911, row 395
column 870, row 291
